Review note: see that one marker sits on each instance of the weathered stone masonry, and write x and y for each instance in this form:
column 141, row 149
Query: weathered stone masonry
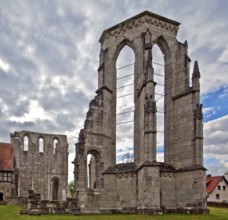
column 41, row 164
column 145, row 186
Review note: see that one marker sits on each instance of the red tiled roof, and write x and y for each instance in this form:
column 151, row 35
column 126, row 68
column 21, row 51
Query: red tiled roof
column 6, row 156
column 212, row 182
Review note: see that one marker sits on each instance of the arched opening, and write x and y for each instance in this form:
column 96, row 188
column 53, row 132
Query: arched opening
column 1, row 197
column 26, row 143
column 94, row 180
column 125, row 105
column 159, row 78
column 41, row 145
column 55, row 188
column 55, row 145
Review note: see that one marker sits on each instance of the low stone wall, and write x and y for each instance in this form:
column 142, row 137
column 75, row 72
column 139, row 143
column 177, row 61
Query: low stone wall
column 218, row 204
column 36, row 206
column 22, row 201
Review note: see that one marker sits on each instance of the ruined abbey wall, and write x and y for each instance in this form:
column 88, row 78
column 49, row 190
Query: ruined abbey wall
column 41, row 164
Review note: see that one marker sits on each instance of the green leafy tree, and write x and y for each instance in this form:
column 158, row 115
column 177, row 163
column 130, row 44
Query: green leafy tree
column 71, row 188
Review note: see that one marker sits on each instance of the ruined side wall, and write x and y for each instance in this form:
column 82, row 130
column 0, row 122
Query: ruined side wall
column 36, row 169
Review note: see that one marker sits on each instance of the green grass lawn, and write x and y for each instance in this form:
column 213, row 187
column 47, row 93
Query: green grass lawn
column 12, row 213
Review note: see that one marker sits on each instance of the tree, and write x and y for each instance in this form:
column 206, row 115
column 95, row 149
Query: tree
column 127, row 157
column 71, row 188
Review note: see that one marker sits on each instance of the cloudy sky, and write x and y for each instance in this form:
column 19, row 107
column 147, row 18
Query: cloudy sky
column 49, row 58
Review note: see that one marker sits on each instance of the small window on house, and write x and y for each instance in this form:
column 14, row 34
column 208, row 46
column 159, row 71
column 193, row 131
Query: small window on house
column 219, row 187
column 26, row 143
column 224, row 188
column 55, row 144
column 41, row 145
column 217, row 196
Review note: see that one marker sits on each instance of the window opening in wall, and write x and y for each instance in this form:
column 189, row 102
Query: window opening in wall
column 93, row 170
column 55, row 145
column 125, row 105
column 219, row 187
column 217, row 196
column 41, row 145
column 224, row 188
column 159, row 78
column 26, row 143
column 1, row 197
column 5, row 176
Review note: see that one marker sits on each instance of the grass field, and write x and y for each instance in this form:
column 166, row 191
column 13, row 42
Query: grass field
column 12, row 213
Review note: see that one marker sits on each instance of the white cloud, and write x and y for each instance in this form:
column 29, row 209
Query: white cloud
column 4, row 65
column 35, row 113
column 209, row 111
column 215, row 144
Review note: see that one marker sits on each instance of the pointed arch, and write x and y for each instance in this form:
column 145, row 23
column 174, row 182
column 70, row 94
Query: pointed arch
column 125, row 106
column 163, row 45
column 121, row 45
column 159, row 78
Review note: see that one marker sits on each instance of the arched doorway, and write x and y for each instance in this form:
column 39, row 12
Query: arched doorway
column 93, row 170
column 55, row 188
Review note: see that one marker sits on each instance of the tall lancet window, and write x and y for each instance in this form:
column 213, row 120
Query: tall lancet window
column 159, row 78
column 125, row 105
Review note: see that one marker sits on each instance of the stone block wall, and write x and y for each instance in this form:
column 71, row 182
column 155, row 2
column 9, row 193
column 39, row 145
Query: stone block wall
column 191, row 188
column 41, row 167
column 6, row 189
column 168, row 190
column 22, row 201
column 126, row 190
column 149, row 188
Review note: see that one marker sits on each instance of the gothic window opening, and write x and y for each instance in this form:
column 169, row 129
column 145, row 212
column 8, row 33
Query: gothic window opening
column 159, row 78
column 93, row 170
column 41, row 145
column 55, row 145
column 26, row 143
column 125, row 106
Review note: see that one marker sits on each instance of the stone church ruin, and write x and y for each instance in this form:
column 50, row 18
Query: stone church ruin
column 41, row 164
column 145, row 185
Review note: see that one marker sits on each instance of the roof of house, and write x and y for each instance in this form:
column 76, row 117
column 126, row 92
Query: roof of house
column 212, row 182
column 6, row 157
